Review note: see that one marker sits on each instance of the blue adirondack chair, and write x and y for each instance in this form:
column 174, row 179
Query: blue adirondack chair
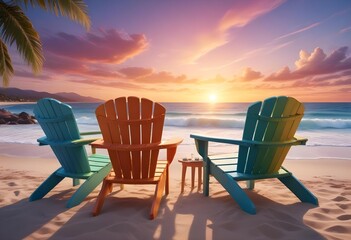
column 267, row 137
column 62, row 134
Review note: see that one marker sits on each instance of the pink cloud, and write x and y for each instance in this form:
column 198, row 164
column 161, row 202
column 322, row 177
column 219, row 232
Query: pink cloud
column 319, row 63
column 63, row 65
column 109, row 46
column 283, row 74
column 248, row 75
column 315, row 63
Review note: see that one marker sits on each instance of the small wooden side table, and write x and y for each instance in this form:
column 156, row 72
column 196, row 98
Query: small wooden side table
column 193, row 164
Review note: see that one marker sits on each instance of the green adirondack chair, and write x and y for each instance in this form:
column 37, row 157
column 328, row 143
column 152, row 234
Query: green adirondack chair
column 268, row 135
column 62, row 134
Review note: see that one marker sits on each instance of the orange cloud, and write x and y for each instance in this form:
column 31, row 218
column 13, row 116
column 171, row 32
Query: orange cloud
column 111, row 83
column 135, row 72
column 163, row 77
column 108, row 46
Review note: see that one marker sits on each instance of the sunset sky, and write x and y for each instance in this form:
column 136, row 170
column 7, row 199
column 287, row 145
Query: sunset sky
column 197, row 51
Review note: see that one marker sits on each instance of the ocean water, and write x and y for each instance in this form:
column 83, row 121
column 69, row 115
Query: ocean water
column 324, row 124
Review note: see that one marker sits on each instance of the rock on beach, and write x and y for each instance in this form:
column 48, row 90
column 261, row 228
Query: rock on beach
column 6, row 117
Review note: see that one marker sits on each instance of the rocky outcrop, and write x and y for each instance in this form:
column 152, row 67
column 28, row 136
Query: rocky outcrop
column 6, row 117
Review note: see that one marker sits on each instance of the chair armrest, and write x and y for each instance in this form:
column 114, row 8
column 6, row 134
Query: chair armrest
column 90, row 133
column 221, row 140
column 79, row 142
column 300, row 140
column 249, row 143
column 170, row 143
column 84, row 141
column 140, row 147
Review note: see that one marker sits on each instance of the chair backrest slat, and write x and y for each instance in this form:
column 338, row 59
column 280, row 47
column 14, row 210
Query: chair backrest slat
column 134, row 114
column 110, row 133
column 277, row 119
column 275, row 110
column 59, row 125
column 139, row 121
column 122, row 114
column 146, row 113
column 157, row 129
column 288, row 130
column 249, row 131
column 259, row 132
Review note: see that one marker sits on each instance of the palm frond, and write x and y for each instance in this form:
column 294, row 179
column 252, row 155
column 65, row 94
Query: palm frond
column 40, row 3
column 6, row 69
column 16, row 27
column 76, row 10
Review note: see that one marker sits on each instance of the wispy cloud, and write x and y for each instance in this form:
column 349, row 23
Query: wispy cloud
column 244, row 12
column 345, row 30
column 299, row 31
column 241, row 13
column 28, row 74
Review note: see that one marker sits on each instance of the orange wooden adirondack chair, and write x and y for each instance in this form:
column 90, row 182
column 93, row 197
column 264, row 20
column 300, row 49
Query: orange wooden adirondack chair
column 132, row 131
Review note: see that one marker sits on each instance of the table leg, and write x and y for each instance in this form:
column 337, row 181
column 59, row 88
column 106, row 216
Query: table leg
column 183, row 177
column 192, row 177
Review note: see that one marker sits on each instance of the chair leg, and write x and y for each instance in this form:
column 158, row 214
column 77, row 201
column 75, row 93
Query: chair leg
column 46, row 186
column 105, row 189
column 206, row 179
column 88, row 186
column 299, row 189
column 158, row 195
column 235, row 191
column 167, row 180
column 76, row 182
column 250, row 184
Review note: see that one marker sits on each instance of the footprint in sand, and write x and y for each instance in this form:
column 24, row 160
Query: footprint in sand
column 337, row 229
column 340, row 199
column 11, row 184
column 344, row 217
column 344, row 206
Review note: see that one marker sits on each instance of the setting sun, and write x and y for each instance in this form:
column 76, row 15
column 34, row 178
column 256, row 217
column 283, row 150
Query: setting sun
column 212, row 98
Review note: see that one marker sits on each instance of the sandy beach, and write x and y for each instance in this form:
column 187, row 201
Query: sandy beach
column 280, row 215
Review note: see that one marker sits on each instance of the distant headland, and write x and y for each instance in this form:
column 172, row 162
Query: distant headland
column 20, row 95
